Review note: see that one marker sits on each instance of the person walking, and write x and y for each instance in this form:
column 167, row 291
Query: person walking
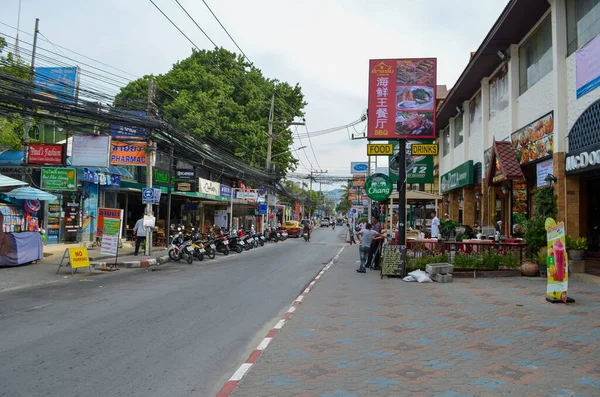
column 140, row 232
column 351, row 232
column 435, row 225
column 365, row 237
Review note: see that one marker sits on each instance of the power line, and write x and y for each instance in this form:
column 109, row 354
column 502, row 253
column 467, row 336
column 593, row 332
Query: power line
column 234, row 42
column 195, row 23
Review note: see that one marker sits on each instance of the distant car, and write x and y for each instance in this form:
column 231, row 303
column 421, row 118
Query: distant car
column 293, row 228
column 325, row 222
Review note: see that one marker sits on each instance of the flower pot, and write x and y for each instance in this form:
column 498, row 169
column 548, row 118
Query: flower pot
column 529, row 269
column 576, row 255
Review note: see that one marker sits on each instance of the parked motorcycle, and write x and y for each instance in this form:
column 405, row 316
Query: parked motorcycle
column 221, row 243
column 235, row 243
column 260, row 238
column 181, row 248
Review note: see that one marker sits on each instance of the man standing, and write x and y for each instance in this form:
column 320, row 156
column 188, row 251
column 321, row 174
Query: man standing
column 435, row 225
column 365, row 237
column 140, row 232
column 373, row 260
column 351, row 233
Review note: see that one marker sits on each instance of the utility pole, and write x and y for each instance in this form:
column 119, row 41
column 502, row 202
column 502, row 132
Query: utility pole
column 170, row 188
column 270, row 133
column 149, row 160
column 311, row 181
column 401, row 191
column 31, row 80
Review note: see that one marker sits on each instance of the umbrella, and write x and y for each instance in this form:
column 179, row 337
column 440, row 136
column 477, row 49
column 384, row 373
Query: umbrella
column 30, row 193
column 6, row 181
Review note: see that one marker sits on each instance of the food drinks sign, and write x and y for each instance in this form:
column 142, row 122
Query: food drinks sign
column 402, row 98
column 556, row 262
column 378, row 187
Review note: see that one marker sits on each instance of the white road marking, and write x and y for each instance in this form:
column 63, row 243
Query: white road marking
column 239, row 374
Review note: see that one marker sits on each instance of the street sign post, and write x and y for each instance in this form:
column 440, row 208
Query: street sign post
column 148, row 195
column 380, row 149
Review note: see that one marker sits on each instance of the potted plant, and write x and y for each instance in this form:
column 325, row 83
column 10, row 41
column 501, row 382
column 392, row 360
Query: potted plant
column 447, row 228
column 576, row 248
column 544, row 203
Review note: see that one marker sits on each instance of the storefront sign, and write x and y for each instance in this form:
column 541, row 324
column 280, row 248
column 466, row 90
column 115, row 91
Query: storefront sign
column 542, row 170
column 379, row 149
column 556, row 261
column 110, row 236
column 127, row 133
column 378, row 187
column 402, row 95
column 107, row 213
column 128, row 153
column 90, row 151
column 79, row 257
column 225, row 191
column 45, row 154
column 534, row 141
column 424, row 149
column 458, row 177
column 587, row 66
column 246, row 195
column 359, row 168
column 358, row 180
column 183, row 187
column 185, row 175
column 209, row 187
column 583, row 160
column 59, row 179
column 56, row 82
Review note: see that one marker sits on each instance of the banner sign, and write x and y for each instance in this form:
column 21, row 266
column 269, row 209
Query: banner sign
column 361, row 167
column 59, row 179
column 534, row 141
column 127, row 133
column 421, row 170
column 45, row 154
column 185, row 175
column 128, row 153
column 56, row 83
column 107, row 213
column 225, row 191
column 209, row 187
column 247, row 195
column 556, row 262
column 402, row 98
column 79, row 257
column 378, row 187
column 90, row 151
column 110, row 236
column 458, row 177
column 424, row 149
column 588, row 68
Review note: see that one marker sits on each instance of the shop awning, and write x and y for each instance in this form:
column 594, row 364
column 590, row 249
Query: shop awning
column 11, row 158
column 417, row 195
column 503, row 165
column 30, row 193
column 7, row 182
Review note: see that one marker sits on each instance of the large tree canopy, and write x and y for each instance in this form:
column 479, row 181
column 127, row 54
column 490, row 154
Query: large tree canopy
column 218, row 95
column 12, row 125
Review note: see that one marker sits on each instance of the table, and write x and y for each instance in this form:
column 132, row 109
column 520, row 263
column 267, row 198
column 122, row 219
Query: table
column 423, row 245
column 474, row 245
column 25, row 247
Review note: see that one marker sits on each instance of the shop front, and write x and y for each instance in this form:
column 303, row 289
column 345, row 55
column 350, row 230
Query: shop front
column 582, row 170
column 458, row 189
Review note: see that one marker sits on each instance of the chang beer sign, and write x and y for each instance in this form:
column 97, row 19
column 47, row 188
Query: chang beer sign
column 458, row 177
column 378, row 187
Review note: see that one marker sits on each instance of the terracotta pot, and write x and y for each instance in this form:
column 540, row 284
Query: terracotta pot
column 576, row 255
column 529, row 269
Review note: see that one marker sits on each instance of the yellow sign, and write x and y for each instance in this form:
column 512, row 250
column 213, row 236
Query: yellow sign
column 424, row 149
column 380, row 149
column 79, row 257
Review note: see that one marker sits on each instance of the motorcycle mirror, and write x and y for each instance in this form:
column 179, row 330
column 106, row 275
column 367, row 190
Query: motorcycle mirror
column 179, row 229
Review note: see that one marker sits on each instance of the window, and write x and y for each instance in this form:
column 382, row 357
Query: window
column 446, row 141
column 535, row 56
column 458, row 130
column 583, row 23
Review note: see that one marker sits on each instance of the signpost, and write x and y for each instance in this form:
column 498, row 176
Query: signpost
column 380, row 149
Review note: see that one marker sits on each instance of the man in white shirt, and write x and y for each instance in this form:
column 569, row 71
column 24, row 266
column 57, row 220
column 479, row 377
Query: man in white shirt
column 435, row 225
column 140, row 233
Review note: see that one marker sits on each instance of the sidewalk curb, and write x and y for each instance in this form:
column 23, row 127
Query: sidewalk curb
column 134, row 264
column 237, row 376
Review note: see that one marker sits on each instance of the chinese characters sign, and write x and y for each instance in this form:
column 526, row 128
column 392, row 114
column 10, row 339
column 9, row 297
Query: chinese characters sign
column 402, row 96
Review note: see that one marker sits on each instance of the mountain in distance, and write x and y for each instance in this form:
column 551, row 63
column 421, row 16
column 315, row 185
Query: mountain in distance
column 334, row 195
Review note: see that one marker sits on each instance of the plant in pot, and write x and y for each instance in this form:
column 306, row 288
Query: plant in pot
column 448, row 228
column 576, row 248
column 544, row 203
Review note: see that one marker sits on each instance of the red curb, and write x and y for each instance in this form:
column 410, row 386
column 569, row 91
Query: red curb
column 245, row 367
column 144, row 263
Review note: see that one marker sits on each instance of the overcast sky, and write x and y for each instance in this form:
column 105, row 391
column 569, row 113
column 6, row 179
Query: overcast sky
column 324, row 45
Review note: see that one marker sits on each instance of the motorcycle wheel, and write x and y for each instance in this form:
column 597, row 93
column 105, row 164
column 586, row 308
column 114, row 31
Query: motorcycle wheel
column 199, row 255
column 247, row 247
column 238, row 249
column 262, row 243
column 211, row 253
column 226, row 251
column 188, row 258
column 173, row 256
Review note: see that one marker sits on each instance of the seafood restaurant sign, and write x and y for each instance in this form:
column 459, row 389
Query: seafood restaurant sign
column 402, row 98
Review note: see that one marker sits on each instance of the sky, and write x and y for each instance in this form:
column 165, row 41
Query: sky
column 324, row 45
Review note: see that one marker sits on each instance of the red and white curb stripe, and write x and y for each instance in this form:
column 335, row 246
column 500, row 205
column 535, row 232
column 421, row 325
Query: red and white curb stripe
column 243, row 369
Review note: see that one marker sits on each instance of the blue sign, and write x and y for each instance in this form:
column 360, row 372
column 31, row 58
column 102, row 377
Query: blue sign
column 148, row 195
column 359, row 167
column 225, row 191
column 262, row 209
column 127, row 132
column 56, row 83
column 261, row 190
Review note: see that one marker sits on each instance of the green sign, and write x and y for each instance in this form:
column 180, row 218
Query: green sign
column 458, row 177
column 422, row 172
column 111, row 227
column 59, row 179
column 378, row 187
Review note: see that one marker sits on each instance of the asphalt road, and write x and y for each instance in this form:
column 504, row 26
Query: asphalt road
column 179, row 331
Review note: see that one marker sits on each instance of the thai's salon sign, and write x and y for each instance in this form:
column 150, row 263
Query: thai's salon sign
column 585, row 160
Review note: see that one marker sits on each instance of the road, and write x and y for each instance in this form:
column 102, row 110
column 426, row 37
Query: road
column 179, row 331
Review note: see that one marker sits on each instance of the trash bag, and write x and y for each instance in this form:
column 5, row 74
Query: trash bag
column 409, row 279
column 421, row 276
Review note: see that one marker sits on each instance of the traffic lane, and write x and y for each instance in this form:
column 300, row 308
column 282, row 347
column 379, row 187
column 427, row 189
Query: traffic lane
column 179, row 331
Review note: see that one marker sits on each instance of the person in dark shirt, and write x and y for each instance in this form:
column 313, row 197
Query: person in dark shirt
column 373, row 260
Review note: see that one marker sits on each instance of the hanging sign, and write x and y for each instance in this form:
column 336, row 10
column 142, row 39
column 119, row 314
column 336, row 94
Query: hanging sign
column 209, row 187
column 380, row 149
column 378, row 187
column 45, row 154
column 128, row 153
column 556, row 262
column 110, row 236
column 424, row 149
column 90, row 151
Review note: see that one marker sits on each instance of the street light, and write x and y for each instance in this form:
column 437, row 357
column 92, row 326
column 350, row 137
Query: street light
column 282, row 153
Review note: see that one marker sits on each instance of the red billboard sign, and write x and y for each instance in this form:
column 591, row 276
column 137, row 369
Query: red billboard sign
column 402, row 98
column 45, row 154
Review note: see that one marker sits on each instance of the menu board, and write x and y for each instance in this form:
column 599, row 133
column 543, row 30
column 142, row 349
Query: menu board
column 72, row 215
column 519, row 207
column 534, row 141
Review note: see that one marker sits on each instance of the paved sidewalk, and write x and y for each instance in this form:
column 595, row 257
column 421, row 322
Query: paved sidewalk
column 355, row 335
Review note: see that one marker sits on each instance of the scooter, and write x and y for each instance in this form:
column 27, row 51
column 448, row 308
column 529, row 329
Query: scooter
column 235, row 243
column 306, row 236
column 198, row 250
column 181, row 249
column 260, row 238
column 221, row 243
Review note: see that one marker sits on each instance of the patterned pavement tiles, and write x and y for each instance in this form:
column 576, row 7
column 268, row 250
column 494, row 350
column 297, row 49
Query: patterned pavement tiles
column 356, row 335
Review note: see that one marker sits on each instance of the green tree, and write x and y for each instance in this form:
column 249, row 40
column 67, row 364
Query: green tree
column 12, row 125
column 218, row 95
column 345, row 204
